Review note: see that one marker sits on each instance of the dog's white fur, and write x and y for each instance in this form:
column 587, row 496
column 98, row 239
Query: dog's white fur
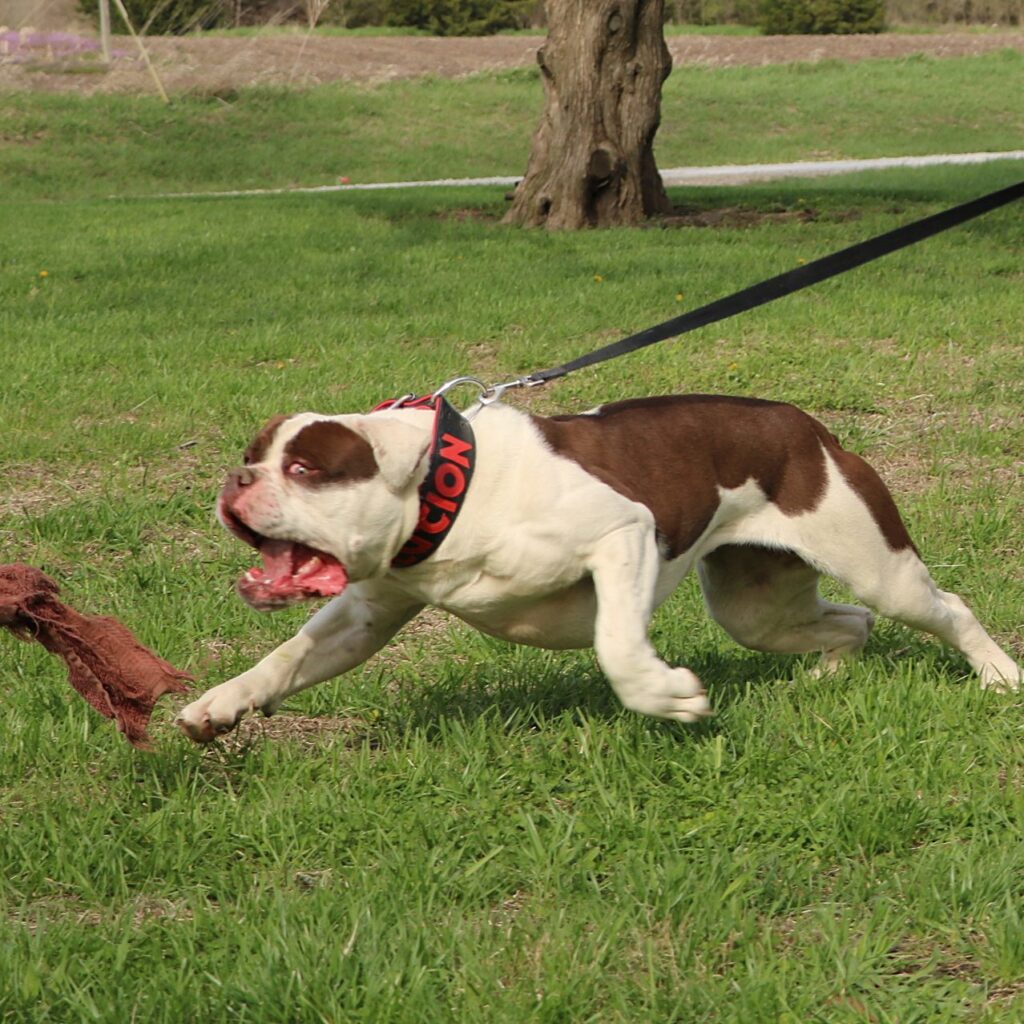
column 546, row 554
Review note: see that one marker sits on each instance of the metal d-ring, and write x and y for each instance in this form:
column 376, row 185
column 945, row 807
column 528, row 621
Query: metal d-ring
column 456, row 381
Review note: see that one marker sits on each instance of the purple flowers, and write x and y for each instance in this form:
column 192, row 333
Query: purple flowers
column 27, row 46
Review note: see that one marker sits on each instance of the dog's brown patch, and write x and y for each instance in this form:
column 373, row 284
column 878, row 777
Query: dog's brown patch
column 336, row 452
column 672, row 453
column 257, row 450
column 873, row 492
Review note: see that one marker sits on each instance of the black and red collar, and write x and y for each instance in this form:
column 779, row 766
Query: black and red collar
column 452, row 460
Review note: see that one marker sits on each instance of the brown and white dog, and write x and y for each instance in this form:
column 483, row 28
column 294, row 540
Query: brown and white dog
column 573, row 530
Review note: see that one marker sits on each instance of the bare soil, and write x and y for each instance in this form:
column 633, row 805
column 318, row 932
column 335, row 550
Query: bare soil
column 213, row 65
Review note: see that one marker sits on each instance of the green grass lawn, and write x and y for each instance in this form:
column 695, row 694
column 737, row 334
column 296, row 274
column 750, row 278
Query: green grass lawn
column 60, row 146
column 465, row 830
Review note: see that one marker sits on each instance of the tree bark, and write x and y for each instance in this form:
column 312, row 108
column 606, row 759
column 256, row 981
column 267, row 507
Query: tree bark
column 592, row 160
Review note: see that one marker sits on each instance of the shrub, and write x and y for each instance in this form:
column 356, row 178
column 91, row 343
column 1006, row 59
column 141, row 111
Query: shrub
column 459, row 17
column 821, row 17
column 712, row 12
column 357, row 13
column 163, row 17
column 438, row 17
column 945, row 12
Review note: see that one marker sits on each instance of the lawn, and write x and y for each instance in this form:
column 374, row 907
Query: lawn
column 466, row 830
column 60, row 146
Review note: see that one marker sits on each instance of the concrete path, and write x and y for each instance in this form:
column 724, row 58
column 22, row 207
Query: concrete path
column 725, row 174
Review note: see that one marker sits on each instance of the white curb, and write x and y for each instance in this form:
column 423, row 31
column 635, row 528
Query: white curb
column 813, row 168
column 722, row 174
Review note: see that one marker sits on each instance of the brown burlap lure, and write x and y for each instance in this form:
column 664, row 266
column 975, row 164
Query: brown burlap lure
column 119, row 677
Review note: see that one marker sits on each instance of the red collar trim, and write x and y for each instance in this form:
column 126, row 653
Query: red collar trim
column 452, row 460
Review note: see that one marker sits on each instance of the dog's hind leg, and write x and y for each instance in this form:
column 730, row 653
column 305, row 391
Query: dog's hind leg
column 899, row 586
column 856, row 535
column 624, row 568
column 767, row 600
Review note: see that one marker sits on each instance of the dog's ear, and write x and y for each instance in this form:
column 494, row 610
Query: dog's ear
column 398, row 448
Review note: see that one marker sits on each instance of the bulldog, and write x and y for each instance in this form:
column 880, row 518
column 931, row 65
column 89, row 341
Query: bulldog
column 568, row 532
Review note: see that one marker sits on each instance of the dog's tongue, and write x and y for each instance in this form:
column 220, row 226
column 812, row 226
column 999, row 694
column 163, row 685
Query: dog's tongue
column 277, row 559
column 291, row 572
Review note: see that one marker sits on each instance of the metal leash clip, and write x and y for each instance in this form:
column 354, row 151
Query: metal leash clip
column 488, row 393
column 495, row 391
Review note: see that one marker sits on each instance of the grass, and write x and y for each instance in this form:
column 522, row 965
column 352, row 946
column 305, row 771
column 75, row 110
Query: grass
column 61, row 147
column 465, row 830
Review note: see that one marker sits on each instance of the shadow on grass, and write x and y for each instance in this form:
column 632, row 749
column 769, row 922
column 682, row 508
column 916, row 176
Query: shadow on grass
column 522, row 692
column 517, row 691
column 522, row 697
column 526, row 691
column 834, row 199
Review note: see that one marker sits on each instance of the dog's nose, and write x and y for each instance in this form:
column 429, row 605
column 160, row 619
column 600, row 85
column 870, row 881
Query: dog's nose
column 235, row 484
column 242, row 477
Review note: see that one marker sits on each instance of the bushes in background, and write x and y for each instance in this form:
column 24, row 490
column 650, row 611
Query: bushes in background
column 438, row 17
column 445, row 17
column 481, row 17
column 162, row 17
column 948, row 12
column 821, row 17
column 712, row 12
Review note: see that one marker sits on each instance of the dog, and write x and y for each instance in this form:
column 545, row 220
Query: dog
column 568, row 531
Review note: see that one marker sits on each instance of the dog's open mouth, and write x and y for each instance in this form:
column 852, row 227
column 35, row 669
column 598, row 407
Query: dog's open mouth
column 291, row 571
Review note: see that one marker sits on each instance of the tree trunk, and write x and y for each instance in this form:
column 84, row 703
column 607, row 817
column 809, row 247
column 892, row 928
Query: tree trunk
column 592, row 163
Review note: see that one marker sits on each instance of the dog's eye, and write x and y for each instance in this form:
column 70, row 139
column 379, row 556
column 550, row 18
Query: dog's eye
column 300, row 469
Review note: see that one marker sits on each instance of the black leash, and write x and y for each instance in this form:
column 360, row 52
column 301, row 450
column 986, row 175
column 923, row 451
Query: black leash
column 787, row 283
column 453, row 449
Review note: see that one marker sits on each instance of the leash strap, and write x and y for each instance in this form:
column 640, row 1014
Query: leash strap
column 452, row 461
column 453, row 447
column 789, row 282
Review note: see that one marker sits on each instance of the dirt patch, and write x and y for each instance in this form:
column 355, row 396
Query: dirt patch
column 31, row 490
column 900, row 442
column 733, row 217
column 305, row 731
column 216, row 65
column 69, row 907
column 468, row 214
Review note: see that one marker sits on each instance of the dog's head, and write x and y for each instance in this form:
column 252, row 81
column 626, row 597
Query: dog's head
column 325, row 500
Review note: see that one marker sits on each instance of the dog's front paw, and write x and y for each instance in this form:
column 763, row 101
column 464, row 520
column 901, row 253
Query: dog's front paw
column 674, row 693
column 217, row 712
column 1004, row 677
column 689, row 709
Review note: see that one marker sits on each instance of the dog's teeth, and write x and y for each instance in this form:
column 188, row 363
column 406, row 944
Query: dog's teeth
column 312, row 566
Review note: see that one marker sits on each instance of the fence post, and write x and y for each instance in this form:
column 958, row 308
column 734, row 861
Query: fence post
column 105, row 30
